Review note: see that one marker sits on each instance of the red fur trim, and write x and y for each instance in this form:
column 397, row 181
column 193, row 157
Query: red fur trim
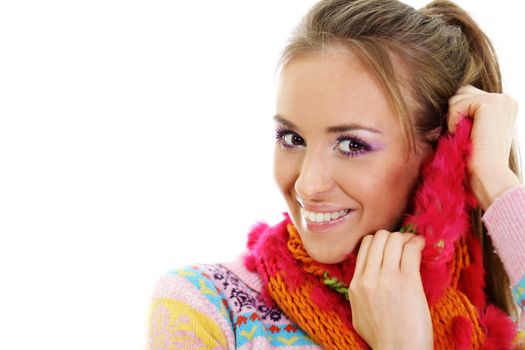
column 253, row 237
column 250, row 263
column 462, row 332
column 472, row 279
column 440, row 212
column 327, row 300
column 499, row 328
column 255, row 233
column 324, row 300
column 273, row 256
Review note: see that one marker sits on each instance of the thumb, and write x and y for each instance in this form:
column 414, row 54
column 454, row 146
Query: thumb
column 411, row 256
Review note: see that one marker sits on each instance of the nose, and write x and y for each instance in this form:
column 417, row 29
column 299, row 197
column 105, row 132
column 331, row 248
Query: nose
column 315, row 178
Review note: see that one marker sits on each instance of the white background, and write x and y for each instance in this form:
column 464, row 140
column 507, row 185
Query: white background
column 135, row 137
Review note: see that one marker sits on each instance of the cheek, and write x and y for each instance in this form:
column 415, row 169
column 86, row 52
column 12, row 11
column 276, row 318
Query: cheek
column 362, row 181
column 382, row 190
column 398, row 186
column 284, row 170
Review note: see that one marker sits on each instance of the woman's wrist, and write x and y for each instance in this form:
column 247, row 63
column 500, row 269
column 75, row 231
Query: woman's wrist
column 489, row 185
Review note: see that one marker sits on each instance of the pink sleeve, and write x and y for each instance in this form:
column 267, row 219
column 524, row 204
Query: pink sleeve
column 505, row 222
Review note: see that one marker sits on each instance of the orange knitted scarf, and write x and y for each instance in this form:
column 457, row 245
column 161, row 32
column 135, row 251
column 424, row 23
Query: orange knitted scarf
column 312, row 294
column 328, row 328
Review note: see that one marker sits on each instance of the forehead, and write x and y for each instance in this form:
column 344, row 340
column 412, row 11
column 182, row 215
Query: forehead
column 330, row 87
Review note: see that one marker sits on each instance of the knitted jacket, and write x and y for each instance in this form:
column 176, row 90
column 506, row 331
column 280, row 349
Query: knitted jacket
column 220, row 306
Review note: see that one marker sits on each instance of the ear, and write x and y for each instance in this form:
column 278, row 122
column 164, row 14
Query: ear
column 429, row 142
column 433, row 135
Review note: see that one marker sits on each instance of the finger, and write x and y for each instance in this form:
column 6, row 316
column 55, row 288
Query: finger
column 411, row 256
column 453, row 120
column 393, row 250
column 456, row 98
column 362, row 255
column 375, row 252
column 461, row 108
column 470, row 89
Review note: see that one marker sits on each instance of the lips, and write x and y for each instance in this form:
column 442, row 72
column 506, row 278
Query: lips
column 322, row 217
column 325, row 226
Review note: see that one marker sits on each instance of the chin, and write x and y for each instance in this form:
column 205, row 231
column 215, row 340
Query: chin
column 326, row 257
column 329, row 261
column 322, row 252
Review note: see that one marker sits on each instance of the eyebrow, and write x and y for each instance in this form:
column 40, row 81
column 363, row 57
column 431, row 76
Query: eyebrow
column 332, row 129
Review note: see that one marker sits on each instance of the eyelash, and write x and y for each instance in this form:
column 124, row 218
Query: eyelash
column 364, row 147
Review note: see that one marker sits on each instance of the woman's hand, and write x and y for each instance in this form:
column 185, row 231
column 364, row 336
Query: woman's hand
column 389, row 307
column 494, row 117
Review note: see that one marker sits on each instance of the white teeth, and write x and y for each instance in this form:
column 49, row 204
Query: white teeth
column 310, row 216
column 322, row 217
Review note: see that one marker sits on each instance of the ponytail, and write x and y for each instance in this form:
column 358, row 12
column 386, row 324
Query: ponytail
column 482, row 68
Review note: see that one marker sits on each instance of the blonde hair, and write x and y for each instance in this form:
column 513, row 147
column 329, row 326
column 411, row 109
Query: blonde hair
column 442, row 48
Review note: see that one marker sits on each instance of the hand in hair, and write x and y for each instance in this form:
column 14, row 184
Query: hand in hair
column 494, row 117
column 389, row 307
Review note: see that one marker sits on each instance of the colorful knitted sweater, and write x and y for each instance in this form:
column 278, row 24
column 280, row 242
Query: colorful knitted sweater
column 220, row 306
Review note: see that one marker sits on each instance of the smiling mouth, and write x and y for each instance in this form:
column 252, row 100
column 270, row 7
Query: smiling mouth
column 319, row 218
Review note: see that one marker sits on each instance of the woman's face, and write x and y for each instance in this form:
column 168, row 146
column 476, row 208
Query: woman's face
column 341, row 158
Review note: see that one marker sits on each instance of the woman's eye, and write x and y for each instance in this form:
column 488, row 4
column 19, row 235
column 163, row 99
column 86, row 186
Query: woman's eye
column 288, row 138
column 352, row 147
column 293, row 139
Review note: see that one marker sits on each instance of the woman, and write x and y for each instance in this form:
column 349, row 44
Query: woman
column 368, row 92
